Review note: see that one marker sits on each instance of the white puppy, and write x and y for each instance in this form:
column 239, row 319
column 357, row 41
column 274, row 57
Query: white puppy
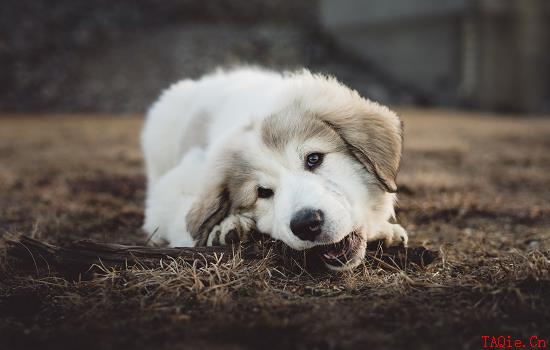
column 297, row 156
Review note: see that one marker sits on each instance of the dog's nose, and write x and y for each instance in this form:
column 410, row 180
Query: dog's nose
column 306, row 223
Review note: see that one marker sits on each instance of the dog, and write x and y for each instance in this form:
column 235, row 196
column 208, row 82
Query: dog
column 297, row 156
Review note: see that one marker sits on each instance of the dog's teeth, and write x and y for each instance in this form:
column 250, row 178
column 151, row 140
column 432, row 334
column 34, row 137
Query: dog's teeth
column 330, row 255
column 334, row 255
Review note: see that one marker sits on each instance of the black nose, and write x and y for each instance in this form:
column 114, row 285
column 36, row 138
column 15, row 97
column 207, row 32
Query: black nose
column 306, row 223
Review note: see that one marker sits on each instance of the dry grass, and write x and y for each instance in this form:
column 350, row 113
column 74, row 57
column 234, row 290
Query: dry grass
column 475, row 187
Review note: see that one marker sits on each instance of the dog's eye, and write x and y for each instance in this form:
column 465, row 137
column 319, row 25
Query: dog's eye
column 265, row 192
column 314, row 160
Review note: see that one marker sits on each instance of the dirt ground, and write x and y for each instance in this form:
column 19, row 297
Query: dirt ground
column 475, row 187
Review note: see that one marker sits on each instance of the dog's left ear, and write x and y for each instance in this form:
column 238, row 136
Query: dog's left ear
column 211, row 207
column 374, row 136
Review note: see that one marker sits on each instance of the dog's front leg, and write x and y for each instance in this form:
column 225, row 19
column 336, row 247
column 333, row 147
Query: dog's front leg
column 233, row 229
column 391, row 234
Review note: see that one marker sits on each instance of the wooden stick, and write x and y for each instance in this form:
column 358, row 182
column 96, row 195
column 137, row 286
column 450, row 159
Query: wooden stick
column 80, row 256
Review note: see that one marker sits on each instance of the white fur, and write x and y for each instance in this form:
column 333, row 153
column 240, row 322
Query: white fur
column 194, row 122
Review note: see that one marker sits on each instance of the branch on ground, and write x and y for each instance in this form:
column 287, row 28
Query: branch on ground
column 81, row 257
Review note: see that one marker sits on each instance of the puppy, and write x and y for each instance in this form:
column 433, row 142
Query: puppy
column 297, row 156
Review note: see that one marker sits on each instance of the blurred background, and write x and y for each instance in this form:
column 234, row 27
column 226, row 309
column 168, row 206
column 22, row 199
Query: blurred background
column 469, row 78
column 115, row 56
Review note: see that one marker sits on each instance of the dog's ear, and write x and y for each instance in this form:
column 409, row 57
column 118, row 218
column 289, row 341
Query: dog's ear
column 374, row 136
column 211, row 207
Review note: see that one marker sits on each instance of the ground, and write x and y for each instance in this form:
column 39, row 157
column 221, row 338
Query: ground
column 473, row 186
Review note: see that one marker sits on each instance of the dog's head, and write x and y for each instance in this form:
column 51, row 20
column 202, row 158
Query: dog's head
column 319, row 174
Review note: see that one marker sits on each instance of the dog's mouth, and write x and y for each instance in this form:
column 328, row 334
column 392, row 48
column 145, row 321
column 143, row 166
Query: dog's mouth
column 340, row 253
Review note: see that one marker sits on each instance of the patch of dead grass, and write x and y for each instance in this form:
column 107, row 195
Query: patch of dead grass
column 474, row 187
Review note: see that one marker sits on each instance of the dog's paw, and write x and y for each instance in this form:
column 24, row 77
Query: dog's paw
column 397, row 236
column 392, row 235
column 233, row 229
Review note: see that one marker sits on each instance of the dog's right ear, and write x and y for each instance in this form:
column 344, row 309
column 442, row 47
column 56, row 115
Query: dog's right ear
column 211, row 207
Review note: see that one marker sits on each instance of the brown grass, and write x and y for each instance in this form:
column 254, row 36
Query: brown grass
column 475, row 187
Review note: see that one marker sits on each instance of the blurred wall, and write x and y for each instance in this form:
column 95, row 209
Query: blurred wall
column 116, row 56
column 491, row 54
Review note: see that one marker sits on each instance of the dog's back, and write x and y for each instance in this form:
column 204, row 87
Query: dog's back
column 195, row 113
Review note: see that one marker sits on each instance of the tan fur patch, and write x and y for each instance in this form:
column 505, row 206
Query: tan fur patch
column 293, row 125
column 212, row 207
column 374, row 137
column 221, row 198
column 369, row 132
